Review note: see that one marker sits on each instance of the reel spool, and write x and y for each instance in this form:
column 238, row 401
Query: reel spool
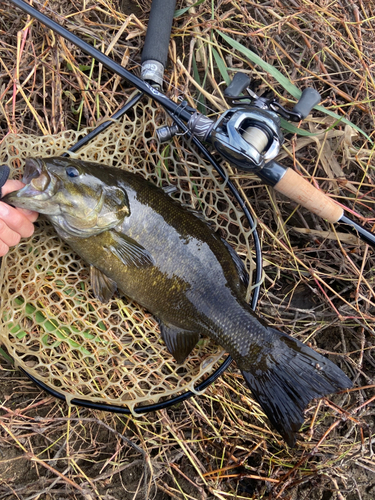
column 51, row 324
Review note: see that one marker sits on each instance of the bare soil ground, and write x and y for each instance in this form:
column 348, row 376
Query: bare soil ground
column 319, row 283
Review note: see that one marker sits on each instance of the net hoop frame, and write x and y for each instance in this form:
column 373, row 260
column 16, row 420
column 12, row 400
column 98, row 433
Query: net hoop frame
column 142, row 408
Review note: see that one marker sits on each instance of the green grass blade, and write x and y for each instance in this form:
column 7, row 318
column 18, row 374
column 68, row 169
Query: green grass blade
column 180, row 12
column 221, row 66
column 6, row 356
column 283, row 80
column 343, row 120
column 201, row 105
column 289, row 127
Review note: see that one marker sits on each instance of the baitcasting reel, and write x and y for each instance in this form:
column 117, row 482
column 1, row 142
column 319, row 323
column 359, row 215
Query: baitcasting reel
column 249, row 134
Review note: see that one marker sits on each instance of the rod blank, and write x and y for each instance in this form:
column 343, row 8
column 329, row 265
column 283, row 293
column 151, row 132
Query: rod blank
column 365, row 235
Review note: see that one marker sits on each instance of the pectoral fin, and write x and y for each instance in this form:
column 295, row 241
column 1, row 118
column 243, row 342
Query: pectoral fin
column 179, row 342
column 129, row 251
column 103, row 286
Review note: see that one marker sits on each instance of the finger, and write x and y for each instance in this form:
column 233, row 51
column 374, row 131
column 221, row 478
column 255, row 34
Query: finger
column 14, row 185
column 29, row 214
column 16, row 221
column 7, row 236
column 11, row 185
column 3, row 249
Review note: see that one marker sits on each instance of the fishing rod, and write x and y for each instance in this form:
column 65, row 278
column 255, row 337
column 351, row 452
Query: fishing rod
column 248, row 135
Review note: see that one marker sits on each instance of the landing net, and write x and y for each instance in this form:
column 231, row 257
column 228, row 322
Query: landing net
column 50, row 322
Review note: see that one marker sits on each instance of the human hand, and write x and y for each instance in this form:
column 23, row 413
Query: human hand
column 15, row 223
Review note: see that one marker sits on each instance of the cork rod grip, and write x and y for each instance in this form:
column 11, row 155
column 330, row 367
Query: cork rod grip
column 301, row 191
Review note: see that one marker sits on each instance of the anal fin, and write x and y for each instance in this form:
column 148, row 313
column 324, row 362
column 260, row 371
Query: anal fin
column 179, row 342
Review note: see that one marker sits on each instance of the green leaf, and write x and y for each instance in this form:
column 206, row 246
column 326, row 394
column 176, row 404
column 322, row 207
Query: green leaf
column 295, row 130
column 82, row 67
column 343, row 120
column 179, row 12
column 5, row 355
column 201, row 105
column 283, row 80
column 221, row 66
column 62, row 332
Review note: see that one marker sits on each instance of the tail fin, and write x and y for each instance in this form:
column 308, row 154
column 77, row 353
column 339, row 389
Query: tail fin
column 284, row 381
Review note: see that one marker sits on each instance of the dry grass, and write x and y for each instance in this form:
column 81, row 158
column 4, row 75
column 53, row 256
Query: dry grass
column 319, row 284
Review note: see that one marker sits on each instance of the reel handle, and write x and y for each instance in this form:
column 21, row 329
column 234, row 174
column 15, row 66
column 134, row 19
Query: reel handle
column 309, row 98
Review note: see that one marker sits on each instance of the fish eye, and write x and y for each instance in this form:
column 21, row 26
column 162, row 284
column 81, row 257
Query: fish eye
column 72, row 172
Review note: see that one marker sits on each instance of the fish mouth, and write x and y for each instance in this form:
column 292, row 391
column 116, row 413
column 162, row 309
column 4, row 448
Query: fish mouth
column 33, row 169
column 39, row 188
column 36, row 175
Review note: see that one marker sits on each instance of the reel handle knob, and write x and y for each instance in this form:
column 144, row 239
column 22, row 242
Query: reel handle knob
column 298, row 189
column 309, row 98
column 239, row 83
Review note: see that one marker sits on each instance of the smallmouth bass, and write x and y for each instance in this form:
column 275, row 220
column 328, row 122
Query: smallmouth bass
column 139, row 240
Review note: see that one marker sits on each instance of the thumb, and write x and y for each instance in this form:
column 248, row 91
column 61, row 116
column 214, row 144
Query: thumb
column 11, row 185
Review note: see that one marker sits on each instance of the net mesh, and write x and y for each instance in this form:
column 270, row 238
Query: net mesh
column 50, row 322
